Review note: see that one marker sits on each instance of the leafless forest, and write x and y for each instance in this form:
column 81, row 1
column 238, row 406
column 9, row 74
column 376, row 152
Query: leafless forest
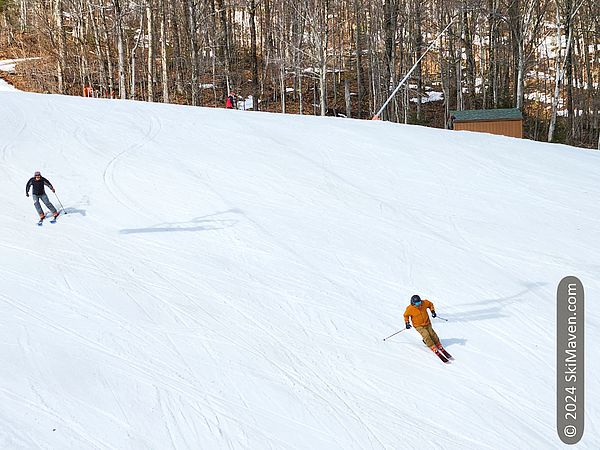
column 327, row 57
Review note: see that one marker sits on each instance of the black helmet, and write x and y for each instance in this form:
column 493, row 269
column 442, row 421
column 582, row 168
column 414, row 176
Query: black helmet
column 415, row 299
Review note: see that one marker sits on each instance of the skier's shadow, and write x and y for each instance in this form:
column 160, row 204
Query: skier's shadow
column 74, row 211
column 203, row 223
column 490, row 308
column 452, row 341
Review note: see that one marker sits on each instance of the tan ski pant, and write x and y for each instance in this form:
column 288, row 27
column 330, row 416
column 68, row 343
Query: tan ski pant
column 428, row 335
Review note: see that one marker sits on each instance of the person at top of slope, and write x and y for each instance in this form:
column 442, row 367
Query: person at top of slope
column 231, row 102
column 38, row 182
column 417, row 311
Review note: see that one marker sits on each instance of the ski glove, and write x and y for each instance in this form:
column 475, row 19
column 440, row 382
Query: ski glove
column 408, row 327
column 433, row 314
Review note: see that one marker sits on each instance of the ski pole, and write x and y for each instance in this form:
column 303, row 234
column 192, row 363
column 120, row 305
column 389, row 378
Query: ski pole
column 403, row 329
column 61, row 205
column 441, row 318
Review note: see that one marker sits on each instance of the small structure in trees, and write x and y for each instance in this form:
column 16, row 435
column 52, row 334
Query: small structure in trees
column 506, row 122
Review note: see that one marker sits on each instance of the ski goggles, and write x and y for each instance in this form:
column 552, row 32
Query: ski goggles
column 418, row 303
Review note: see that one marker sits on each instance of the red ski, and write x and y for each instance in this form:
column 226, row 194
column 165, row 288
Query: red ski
column 441, row 355
column 444, row 352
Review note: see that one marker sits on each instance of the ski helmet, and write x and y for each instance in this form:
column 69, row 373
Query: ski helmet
column 415, row 299
column 37, row 174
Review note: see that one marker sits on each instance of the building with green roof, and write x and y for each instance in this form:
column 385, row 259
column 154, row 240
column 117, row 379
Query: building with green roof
column 506, row 122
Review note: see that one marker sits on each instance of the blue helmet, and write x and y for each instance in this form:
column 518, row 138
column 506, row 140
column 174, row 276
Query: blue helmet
column 415, row 300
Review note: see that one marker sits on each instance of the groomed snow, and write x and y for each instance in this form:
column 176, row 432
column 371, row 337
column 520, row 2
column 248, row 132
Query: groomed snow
column 6, row 87
column 430, row 96
column 9, row 65
column 224, row 279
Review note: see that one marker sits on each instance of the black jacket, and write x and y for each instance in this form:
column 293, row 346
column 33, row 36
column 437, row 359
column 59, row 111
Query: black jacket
column 38, row 186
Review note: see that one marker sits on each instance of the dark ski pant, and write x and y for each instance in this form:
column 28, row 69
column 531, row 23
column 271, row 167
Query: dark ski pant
column 38, row 207
column 428, row 335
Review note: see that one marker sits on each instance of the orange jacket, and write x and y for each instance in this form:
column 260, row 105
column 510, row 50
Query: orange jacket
column 419, row 315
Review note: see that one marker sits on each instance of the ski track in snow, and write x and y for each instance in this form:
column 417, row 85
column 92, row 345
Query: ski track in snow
column 8, row 144
column 110, row 179
column 224, row 280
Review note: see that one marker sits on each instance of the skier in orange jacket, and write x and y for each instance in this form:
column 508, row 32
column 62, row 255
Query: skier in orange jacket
column 417, row 311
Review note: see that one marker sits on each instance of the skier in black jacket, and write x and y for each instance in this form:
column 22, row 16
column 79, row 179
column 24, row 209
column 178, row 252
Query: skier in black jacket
column 38, row 182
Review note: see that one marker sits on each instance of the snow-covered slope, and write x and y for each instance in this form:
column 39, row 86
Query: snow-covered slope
column 224, row 280
column 4, row 86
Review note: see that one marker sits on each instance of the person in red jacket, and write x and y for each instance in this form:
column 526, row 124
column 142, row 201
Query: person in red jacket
column 417, row 312
column 231, row 102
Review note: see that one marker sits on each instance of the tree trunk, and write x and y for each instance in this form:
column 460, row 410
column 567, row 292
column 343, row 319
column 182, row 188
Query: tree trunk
column 569, row 75
column 323, row 40
column 347, row 98
column 133, row 57
column 322, row 84
column 520, row 75
column 120, row 49
column 62, row 47
column 282, row 86
column 225, row 39
column 493, row 53
column 358, row 49
column 253, row 56
column 151, row 62
column 176, row 46
column 23, row 15
column 108, row 53
column 468, row 43
column 390, row 9
column 560, row 73
column 419, row 51
column 163, row 48
column 191, row 13
column 103, row 77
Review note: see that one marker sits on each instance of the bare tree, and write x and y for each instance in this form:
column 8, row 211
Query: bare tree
column 62, row 48
column 163, row 52
column 120, row 48
column 191, row 15
column 253, row 55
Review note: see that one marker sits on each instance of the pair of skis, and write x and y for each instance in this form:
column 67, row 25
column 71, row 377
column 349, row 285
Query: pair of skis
column 53, row 220
column 443, row 355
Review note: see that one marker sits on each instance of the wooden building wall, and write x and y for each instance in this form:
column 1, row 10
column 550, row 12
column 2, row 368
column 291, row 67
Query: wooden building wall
column 513, row 128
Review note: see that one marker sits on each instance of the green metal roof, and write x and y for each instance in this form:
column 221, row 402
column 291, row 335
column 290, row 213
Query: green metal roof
column 486, row 114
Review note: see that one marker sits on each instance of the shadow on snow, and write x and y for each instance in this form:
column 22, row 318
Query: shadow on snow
column 203, row 223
